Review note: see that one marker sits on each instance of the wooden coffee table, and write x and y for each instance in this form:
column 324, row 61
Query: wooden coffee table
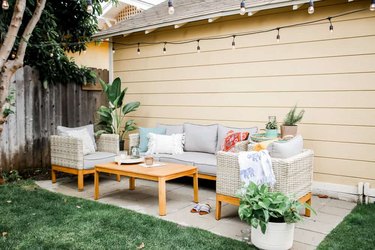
column 160, row 174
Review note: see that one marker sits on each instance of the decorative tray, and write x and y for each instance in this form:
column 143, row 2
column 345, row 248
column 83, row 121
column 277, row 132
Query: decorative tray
column 129, row 160
column 260, row 137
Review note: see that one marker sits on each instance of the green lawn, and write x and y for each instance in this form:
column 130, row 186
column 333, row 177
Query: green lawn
column 32, row 218
column 357, row 231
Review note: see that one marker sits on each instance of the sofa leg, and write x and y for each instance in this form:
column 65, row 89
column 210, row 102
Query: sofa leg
column 308, row 211
column 80, row 180
column 53, row 175
column 218, row 209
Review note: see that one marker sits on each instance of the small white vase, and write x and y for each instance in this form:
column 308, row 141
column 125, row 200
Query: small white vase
column 278, row 236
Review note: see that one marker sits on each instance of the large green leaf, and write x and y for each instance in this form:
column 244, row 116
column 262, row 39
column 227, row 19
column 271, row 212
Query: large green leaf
column 130, row 107
column 114, row 90
column 119, row 100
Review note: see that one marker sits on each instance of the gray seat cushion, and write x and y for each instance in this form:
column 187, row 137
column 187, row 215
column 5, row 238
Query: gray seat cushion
column 172, row 129
column 205, row 162
column 90, row 160
column 286, row 149
column 200, row 138
column 62, row 131
column 223, row 131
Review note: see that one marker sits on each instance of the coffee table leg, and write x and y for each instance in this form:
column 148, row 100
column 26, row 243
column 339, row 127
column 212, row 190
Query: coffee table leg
column 195, row 183
column 131, row 183
column 96, row 184
column 162, row 197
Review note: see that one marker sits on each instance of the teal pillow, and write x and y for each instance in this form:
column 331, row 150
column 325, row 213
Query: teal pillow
column 143, row 139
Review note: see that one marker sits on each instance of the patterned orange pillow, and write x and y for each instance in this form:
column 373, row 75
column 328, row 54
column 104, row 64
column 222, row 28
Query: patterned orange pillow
column 232, row 138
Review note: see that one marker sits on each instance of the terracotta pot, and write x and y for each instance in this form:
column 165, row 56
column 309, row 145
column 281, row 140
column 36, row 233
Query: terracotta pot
column 288, row 130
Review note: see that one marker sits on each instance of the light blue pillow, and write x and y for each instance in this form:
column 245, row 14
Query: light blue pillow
column 143, row 138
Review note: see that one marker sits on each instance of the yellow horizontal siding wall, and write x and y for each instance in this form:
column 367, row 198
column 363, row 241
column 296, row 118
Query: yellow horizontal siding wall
column 331, row 76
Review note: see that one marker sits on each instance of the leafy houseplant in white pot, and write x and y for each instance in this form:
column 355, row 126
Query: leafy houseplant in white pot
column 289, row 126
column 271, row 215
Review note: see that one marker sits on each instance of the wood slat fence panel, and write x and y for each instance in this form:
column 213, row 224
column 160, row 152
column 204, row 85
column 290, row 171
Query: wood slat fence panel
column 25, row 139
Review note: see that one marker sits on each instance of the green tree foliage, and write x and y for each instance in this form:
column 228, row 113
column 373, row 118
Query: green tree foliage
column 65, row 26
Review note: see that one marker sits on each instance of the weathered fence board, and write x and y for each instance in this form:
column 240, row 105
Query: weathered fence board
column 25, row 139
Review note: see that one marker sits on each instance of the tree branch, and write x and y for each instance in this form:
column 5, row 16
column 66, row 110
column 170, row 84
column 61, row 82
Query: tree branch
column 40, row 4
column 12, row 32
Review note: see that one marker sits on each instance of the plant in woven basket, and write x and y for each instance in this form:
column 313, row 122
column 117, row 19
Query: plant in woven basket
column 292, row 118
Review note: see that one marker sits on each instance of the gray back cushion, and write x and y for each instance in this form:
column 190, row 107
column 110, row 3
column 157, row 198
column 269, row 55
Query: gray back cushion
column 200, row 138
column 223, row 130
column 62, row 131
column 172, row 129
column 286, row 149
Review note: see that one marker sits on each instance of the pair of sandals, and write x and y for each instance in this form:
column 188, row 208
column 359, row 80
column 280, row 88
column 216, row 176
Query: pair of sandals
column 202, row 209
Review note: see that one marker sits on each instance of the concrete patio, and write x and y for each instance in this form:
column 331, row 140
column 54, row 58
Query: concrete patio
column 144, row 199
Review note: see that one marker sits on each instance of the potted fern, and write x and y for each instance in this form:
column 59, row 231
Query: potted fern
column 289, row 126
column 112, row 118
column 271, row 215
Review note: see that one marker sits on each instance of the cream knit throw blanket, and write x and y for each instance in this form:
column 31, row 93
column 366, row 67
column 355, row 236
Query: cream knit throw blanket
column 256, row 167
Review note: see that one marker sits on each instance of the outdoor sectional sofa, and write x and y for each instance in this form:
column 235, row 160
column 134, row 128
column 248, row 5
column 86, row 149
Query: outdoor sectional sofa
column 292, row 165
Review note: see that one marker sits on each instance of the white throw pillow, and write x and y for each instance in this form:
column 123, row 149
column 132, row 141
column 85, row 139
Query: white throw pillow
column 166, row 144
column 82, row 134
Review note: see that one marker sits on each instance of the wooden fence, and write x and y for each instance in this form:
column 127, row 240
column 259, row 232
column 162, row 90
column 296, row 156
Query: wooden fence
column 25, row 139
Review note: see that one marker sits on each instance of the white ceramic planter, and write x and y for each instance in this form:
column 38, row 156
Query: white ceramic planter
column 278, row 236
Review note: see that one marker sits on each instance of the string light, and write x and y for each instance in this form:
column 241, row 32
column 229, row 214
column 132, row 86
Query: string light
column 170, row 7
column 278, row 35
column 242, row 8
column 165, row 48
column 234, row 42
column 5, row 5
column 198, row 47
column 311, row 8
column 138, row 49
column 330, row 24
column 372, row 6
column 89, row 9
column 113, row 49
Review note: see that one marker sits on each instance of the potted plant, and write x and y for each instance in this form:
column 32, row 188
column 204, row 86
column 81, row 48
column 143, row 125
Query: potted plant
column 271, row 215
column 112, row 118
column 289, row 126
column 271, row 127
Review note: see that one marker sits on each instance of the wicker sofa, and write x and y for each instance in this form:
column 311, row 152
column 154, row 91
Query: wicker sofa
column 293, row 177
column 67, row 155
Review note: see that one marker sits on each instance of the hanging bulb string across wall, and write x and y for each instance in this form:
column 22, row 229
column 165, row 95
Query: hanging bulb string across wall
column 328, row 19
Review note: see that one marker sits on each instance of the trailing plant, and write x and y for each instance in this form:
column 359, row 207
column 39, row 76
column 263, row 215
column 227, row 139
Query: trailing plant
column 271, row 125
column 112, row 118
column 258, row 206
column 292, row 118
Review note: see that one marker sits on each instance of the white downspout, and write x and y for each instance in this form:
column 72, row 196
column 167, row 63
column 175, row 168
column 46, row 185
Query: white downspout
column 110, row 60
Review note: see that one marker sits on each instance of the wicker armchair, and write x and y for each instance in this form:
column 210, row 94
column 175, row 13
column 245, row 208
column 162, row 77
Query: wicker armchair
column 67, row 155
column 293, row 177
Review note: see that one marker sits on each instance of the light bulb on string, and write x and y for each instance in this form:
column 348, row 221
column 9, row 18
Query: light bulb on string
column 278, row 35
column 198, row 47
column 51, row 55
column 165, row 48
column 372, row 6
column 330, row 24
column 170, row 7
column 311, row 8
column 242, row 8
column 89, row 9
column 138, row 50
column 5, row 5
column 113, row 49
column 234, row 42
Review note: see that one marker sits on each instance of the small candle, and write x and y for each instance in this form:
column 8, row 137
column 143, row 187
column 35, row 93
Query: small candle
column 149, row 160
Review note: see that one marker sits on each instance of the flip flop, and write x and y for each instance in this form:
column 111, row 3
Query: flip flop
column 205, row 209
column 196, row 208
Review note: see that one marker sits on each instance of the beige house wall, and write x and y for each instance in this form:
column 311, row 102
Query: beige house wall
column 96, row 56
column 331, row 76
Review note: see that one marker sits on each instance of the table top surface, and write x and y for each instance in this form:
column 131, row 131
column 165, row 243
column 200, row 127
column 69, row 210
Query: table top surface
column 161, row 171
